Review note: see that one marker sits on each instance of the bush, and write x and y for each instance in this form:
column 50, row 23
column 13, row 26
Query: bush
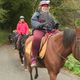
column 77, row 22
column 73, row 65
column 3, row 36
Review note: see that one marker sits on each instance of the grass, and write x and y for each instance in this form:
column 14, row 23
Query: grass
column 3, row 36
column 73, row 65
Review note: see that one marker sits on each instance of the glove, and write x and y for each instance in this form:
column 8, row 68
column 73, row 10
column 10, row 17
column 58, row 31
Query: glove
column 42, row 25
column 56, row 25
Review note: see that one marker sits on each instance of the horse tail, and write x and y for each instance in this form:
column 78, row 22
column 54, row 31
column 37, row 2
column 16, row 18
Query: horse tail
column 68, row 37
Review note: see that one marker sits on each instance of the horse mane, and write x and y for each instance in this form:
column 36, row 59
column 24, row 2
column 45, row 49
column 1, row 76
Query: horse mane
column 68, row 37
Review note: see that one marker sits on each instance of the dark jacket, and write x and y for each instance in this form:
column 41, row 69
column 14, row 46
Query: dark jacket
column 40, row 18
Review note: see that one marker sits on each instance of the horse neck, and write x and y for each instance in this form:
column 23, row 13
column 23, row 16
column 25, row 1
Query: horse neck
column 63, row 52
column 57, row 53
column 57, row 47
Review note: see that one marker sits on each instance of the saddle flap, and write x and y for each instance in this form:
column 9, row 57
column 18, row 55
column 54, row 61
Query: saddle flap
column 41, row 51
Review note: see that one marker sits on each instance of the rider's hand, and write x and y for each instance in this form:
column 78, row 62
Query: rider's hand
column 56, row 25
column 42, row 25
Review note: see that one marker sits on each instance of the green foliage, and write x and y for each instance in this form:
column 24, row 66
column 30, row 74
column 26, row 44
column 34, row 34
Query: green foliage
column 3, row 13
column 65, row 16
column 3, row 36
column 73, row 65
column 77, row 22
column 56, row 3
column 17, row 8
column 66, row 12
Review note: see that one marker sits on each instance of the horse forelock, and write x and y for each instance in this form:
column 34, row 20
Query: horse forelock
column 68, row 37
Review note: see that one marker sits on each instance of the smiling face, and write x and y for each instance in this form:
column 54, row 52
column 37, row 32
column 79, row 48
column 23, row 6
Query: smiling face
column 22, row 20
column 45, row 8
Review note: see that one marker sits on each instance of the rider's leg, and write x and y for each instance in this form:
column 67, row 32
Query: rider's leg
column 37, row 36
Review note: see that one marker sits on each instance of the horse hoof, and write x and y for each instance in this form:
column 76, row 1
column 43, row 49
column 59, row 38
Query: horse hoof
column 36, row 76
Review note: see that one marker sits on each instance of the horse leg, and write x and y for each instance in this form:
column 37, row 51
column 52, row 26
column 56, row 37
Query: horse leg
column 30, row 71
column 36, row 75
column 21, row 57
column 15, row 44
column 25, row 62
column 52, row 75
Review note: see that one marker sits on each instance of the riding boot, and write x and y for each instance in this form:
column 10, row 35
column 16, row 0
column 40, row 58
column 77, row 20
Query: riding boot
column 33, row 61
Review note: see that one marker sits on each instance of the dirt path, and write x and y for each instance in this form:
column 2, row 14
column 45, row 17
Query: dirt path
column 11, row 69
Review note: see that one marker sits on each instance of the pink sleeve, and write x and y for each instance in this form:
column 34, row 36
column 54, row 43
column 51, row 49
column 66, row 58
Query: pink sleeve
column 18, row 29
column 27, row 29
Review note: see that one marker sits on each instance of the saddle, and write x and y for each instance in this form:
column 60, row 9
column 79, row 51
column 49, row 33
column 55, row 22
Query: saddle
column 43, row 45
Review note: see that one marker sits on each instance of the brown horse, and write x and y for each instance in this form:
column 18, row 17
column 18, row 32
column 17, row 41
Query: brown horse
column 59, row 47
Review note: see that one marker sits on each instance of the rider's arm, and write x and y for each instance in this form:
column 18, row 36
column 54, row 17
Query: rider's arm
column 35, row 21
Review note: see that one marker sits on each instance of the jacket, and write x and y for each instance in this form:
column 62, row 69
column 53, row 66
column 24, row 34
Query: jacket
column 38, row 18
column 22, row 28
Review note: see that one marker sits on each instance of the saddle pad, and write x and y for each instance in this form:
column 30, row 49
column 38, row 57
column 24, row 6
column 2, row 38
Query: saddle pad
column 28, row 48
column 41, row 51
